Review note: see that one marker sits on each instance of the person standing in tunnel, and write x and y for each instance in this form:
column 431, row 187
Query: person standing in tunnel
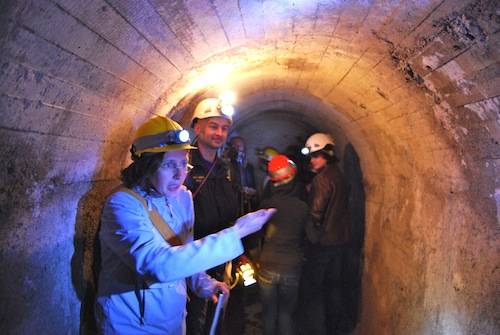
column 243, row 173
column 328, row 236
column 264, row 156
column 282, row 255
column 215, row 194
column 148, row 255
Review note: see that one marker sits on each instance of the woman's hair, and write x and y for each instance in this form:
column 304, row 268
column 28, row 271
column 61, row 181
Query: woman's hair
column 329, row 158
column 141, row 170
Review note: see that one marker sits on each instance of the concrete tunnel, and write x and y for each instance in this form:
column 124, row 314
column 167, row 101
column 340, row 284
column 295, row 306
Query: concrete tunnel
column 413, row 86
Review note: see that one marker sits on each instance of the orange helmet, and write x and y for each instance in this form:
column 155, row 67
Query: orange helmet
column 281, row 169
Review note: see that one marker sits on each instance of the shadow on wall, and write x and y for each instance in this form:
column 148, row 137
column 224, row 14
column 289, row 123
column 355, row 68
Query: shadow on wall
column 86, row 259
column 354, row 261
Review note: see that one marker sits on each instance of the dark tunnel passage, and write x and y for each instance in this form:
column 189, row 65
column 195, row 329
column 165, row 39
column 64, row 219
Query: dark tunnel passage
column 409, row 89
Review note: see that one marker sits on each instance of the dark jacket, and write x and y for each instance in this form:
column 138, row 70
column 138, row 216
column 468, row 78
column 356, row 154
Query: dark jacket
column 329, row 220
column 216, row 204
column 281, row 251
column 243, row 175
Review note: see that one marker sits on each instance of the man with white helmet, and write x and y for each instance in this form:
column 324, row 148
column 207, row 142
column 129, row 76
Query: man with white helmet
column 215, row 194
column 328, row 236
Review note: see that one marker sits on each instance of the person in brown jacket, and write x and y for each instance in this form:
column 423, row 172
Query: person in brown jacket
column 327, row 232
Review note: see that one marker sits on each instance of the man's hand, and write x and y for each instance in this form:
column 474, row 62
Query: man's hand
column 249, row 191
column 252, row 222
column 220, row 287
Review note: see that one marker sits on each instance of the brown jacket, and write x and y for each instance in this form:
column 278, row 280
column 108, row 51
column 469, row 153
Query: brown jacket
column 329, row 220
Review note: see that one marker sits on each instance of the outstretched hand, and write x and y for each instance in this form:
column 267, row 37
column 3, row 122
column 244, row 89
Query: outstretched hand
column 252, row 222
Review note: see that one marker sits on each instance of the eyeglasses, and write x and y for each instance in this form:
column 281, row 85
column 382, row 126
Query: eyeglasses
column 172, row 165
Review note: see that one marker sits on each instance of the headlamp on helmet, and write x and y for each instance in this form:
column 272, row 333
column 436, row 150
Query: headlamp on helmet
column 161, row 140
column 227, row 110
column 319, row 142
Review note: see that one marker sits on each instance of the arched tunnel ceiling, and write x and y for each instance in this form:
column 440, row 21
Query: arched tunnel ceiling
column 414, row 85
column 367, row 60
column 416, row 80
column 366, row 67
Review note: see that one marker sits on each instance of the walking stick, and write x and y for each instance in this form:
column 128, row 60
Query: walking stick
column 213, row 327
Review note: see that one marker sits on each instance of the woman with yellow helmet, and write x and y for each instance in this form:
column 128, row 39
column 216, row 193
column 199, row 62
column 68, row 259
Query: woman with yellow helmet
column 147, row 248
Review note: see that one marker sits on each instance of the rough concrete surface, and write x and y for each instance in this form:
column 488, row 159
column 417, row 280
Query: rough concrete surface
column 413, row 86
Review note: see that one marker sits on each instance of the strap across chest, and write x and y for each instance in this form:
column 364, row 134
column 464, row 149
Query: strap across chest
column 160, row 224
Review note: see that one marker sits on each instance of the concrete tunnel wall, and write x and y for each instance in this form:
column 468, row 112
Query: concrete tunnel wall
column 413, row 85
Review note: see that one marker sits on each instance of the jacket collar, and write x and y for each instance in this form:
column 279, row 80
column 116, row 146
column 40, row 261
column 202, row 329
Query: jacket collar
column 197, row 160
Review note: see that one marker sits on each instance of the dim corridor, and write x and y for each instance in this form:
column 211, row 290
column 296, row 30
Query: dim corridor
column 411, row 86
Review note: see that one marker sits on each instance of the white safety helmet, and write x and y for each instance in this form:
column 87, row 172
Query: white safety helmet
column 319, row 142
column 212, row 107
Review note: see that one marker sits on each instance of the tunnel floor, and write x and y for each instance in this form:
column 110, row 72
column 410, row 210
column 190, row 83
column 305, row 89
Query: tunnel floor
column 244, row 312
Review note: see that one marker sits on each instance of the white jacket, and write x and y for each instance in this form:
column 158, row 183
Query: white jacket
column 142, row 283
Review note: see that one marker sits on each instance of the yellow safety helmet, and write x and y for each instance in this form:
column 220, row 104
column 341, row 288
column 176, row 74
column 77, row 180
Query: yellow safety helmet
column 160, row 134
column 267, row 153
column 212, row 107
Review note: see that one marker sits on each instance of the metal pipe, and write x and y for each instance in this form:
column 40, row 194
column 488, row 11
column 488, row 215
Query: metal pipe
column 215, row 320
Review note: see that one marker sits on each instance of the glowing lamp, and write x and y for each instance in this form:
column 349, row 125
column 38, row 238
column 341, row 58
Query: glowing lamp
column 247, row 273
column 227, row 110
column 227, row 98
column 183, row 136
